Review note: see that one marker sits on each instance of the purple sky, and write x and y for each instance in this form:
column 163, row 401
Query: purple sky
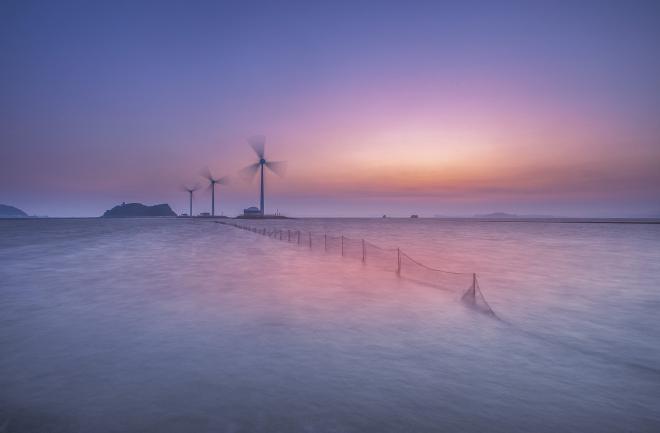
column 379, row 107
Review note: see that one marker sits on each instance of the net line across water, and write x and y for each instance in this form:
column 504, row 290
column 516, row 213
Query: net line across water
column 395, row 260
column 388, row 259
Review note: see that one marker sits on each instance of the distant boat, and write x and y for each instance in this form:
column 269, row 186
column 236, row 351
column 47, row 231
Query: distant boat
column 384, row 216
column 414, row 216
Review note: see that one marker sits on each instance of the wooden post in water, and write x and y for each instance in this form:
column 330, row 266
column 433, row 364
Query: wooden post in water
column 398, row 261
column 342, row 245
column 298, row 237
column 364, row 256
column 325, row 242
column 288, row 239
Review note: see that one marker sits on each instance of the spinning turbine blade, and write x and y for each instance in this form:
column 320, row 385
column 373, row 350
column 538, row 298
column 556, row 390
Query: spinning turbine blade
column 225, row 180
column 190, row 188
column 206, row 173
column 257, row 142
column 277, row 167
column 250, row 171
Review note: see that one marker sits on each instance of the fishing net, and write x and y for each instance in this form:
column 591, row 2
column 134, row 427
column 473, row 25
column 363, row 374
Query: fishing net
column 388, row 259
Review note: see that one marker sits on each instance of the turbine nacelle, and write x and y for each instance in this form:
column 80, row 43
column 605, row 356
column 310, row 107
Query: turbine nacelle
column 190, row 189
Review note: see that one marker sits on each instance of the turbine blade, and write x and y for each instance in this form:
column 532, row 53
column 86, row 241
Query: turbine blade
column 187, row 188
column 249, row 172
column 277, row 167
column 258, row 142
column 206, row 173
column 225, row 180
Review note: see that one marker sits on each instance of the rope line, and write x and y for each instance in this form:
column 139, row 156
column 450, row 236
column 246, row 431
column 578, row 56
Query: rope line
column 390, row 259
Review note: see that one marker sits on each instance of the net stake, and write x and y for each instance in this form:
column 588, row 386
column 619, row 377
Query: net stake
column 364, row 258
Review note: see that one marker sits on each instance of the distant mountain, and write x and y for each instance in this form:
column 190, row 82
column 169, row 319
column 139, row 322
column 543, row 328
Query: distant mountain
column 7, row 211
column 504, row 215
column 497, row 215
column 139, row 210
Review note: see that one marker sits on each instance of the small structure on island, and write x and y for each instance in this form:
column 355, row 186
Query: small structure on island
column 252, row 212
column 414, row 216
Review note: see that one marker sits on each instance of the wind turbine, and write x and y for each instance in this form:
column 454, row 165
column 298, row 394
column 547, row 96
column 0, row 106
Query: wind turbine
column 278, row 167
column 212, row 182
column 190, row 191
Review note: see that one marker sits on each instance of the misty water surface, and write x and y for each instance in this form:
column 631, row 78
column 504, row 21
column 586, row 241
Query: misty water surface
column 169, row 325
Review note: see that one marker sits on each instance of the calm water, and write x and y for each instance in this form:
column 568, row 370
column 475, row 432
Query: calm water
column 166, row 325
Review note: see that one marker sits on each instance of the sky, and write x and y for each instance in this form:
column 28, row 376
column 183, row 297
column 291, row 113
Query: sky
column 397, row 108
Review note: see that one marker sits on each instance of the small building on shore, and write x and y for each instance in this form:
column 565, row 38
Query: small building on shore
column 252, row 211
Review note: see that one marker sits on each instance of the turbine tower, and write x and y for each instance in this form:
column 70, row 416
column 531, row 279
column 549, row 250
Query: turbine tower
column 278, row 167
column 212, row 182
column 190, row 191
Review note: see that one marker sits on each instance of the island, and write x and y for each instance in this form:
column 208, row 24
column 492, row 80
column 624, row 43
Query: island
column 127, row 210
column 504, row 215
column 7, row 211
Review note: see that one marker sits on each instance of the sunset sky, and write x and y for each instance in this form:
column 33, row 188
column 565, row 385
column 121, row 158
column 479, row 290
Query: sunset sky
column 434, row 108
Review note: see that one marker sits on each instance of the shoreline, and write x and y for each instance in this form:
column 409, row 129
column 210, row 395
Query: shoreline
column 447, row 219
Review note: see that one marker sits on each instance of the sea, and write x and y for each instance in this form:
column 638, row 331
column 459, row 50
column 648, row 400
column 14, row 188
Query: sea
column 194, row 325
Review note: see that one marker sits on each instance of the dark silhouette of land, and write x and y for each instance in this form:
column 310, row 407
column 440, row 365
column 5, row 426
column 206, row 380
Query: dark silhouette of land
column 504, row 215
column 7, row 211
column 139, row 210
